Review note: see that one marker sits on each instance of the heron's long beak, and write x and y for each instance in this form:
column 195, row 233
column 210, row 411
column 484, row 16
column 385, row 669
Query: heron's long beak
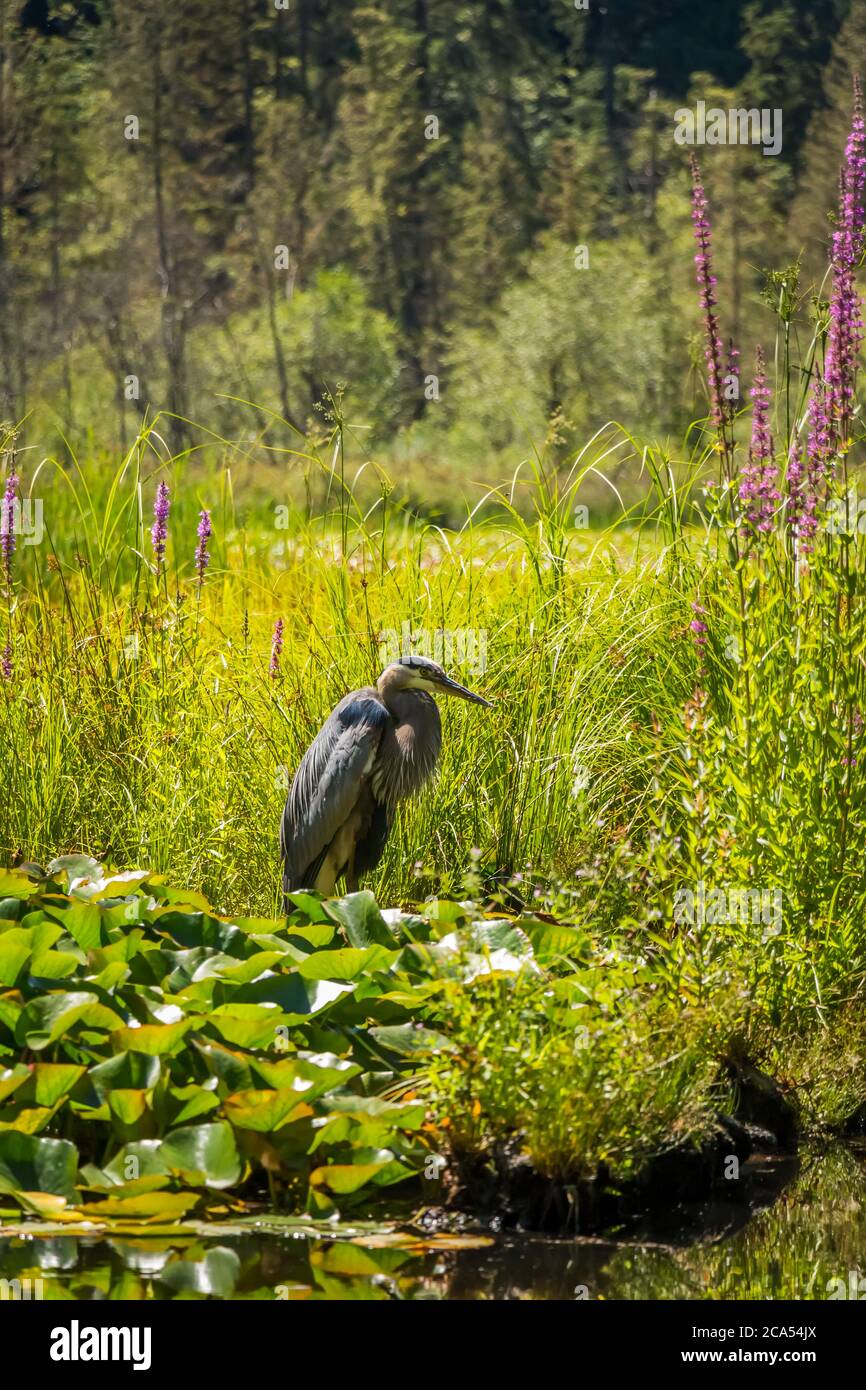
column 451, row 687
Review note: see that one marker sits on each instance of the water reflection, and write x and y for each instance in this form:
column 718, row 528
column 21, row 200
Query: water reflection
column 803, row 1226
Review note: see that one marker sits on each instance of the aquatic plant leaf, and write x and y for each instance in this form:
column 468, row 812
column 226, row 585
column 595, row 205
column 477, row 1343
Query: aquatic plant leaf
column 51, row 1016
column 189, row 1102
column 549, row 941
column 26, row 1119
column 200, row 929
column 346, row 964
column 153, row 1039
column 14, row 884
column 352, row 1260
column 203, row 1154
column 240, row 972
column 309, row 907
column 215, row 1272
column 344, row 1178
column 53, row 1080
column 443, row 912
column 411, row 1039
column 231, row 1069
column 134, row 1070
column 309, row 1073
column 52, row 965
column 313, row 937
column 262, row 1111
column 72, row 867
column 359, row 916
column 168, row 1205
column 12, row 1079
column 128, row 1106
column 143, row 1158
column 296, row 997
column 246, row 1025
column 15, row 949
column 83, row 922
column 28, row 1164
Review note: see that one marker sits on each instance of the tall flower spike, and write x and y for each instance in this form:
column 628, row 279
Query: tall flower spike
column 159, row 530
column 7, row 523
column 202, row 556
column 699, row 629
column 846, row 326
column 731, row 394
column 276, row 648
column 707, row 286
column 801, row 506
column 758, row 491
column 805, row 475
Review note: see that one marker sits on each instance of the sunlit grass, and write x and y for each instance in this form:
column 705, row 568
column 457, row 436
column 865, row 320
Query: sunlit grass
column 142, row 724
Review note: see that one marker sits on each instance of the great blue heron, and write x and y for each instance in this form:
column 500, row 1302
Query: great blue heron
column 379, row 746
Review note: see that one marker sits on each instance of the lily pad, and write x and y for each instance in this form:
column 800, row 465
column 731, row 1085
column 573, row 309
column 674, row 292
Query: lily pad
column 359, row 916
column 30, row 1164
column 203, row 1154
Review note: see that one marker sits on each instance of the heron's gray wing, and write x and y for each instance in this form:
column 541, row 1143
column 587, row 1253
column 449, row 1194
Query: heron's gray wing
column 328, row 782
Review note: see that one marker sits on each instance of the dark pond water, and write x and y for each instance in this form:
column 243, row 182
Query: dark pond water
column 801, row 1234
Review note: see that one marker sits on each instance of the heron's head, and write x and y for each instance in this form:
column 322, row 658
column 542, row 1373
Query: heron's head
column 420, row 673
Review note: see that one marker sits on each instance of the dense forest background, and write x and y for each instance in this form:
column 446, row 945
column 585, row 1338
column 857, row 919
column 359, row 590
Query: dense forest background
column 203, row 204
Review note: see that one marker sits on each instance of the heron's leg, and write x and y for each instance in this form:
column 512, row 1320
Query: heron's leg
column 351, row 876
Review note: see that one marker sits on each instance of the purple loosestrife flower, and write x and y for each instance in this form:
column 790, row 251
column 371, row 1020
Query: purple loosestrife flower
column 276, row 648
column 707, row 286
column 732, row 381
column 846, row 325
column 856, row 737
column 796, row 479
column 159, row 530
column 202, row 557
column 6, row 663
column 699, row 631
column 7, row 523
column 758, row 491
column 762, row 439
column 806, row 476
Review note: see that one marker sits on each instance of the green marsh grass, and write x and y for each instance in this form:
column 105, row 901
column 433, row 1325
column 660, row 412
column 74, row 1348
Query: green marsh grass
column 141, row 724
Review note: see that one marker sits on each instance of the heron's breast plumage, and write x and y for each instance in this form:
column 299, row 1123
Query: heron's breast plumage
column 409, row 749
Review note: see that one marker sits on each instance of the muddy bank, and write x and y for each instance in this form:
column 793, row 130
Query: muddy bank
column 501, row 1190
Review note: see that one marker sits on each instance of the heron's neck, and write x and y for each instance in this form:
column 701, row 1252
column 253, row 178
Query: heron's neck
column 412, row 707
column 390, row 688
